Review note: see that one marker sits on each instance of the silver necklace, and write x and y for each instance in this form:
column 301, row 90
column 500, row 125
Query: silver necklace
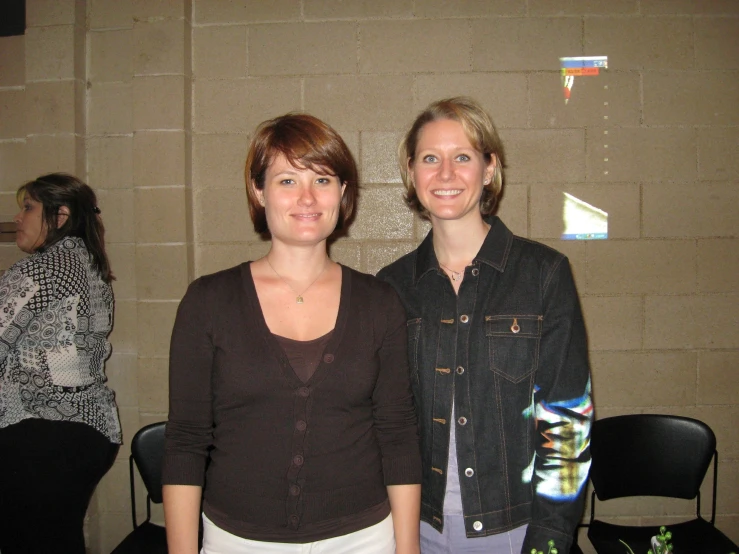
column 456, row 275
column 299, row 295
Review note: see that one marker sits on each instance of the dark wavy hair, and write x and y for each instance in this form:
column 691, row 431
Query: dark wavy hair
column 60, row 189
column 306, row 142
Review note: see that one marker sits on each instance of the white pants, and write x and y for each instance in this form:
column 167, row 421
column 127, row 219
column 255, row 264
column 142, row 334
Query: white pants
column 377, row 539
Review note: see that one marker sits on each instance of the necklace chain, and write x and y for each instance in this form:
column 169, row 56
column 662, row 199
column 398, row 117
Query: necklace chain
column 455, row 275
column 299, row 295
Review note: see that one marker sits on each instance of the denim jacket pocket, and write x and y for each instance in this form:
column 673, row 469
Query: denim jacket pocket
column 414, row 333
column 513, row 343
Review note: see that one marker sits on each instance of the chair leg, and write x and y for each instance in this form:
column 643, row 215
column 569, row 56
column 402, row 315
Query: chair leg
column 715, row 483
column 133, row 491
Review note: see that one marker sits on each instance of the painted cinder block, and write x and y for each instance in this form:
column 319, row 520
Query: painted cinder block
column 717, row 40
column 313, row 48
column 245, row 11
column 504, row 95
column 159, row 102
column 690, row 322
column 219, row 52
column 636, row 379
column 12, row 61
column 690, row 210
column 239, row 105
column 382, row 215
column 544, row 155
column 218, row 160
column 640, row 154
column 351, row 9
column 641, row 43
column 159, row 47
column 110, row 161
column 388, row 46
column 613, row 322
column 641, row 266
column 691, row 97
column 361, row 103
column 154, row 327
column 379, row 162
column 160, row 214
column 161, row 271
column 50, row 52
column 111, row 55
column 158, row 158
column 50, row 107
column 717, row 148
column 515, row 44
column 110, row 108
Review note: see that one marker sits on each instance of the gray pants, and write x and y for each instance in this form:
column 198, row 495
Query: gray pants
column 454, row 540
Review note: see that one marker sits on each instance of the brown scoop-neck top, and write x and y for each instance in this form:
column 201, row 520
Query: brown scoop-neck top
column 289, row 459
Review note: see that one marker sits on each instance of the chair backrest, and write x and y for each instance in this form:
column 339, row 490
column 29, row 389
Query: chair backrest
column 147, row 450
column 650, row 455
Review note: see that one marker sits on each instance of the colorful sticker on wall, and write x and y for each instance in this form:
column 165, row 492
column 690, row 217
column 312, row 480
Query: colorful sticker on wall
column 579, row 66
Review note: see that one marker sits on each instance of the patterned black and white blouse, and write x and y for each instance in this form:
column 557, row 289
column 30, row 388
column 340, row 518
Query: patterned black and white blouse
column 55, row 315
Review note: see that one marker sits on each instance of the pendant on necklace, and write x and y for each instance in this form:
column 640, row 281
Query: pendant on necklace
column 456, row 275
column 299, row 299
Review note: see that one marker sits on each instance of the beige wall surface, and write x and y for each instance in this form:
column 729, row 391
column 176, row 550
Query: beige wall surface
column 153, row 103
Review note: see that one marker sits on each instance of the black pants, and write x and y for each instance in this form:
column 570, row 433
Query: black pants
column 48, row 472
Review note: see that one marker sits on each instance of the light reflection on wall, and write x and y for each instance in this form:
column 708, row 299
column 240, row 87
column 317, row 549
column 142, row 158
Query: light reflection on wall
column 583, row 221
column 579, row 66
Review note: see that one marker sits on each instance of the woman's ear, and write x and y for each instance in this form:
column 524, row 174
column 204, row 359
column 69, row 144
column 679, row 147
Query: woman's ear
column 259, row 193
column 491, row 168
column 61, row 216
column 409, row 171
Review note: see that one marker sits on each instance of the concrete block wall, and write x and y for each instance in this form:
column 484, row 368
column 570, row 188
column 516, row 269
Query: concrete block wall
column 153, row 102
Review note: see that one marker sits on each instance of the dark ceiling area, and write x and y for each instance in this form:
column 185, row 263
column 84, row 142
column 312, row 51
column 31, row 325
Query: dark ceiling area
column 12, row 17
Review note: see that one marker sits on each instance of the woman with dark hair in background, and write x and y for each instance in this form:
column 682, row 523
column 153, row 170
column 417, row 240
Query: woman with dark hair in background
column 59, row 427
column 499, row 359
column 291, row 373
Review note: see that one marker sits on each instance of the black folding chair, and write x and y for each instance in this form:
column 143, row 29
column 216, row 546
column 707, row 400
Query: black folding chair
column 147, row 451
column 654, row 455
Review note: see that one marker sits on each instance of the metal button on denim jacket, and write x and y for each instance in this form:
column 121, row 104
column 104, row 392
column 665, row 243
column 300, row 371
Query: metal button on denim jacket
column 510, row 351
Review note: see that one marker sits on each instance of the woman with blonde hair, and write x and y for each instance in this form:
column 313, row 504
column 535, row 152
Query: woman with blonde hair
column 290, row 374
column 498, row 352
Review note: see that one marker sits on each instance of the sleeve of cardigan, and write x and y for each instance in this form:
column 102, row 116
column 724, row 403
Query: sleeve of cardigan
column 190, row 425
column 394, row 413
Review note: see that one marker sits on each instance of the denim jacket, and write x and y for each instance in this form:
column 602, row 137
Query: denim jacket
column 510, row 352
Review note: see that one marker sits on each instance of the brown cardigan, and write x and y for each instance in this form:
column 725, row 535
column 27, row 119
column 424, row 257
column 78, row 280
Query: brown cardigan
column 287, row 457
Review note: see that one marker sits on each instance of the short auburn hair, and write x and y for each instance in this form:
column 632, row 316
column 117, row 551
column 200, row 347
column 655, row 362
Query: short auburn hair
column 480, row 131
column 306, row 142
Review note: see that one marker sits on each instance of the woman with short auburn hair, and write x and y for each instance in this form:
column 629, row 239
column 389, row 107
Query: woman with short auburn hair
column 498, row 352
column 290, row 374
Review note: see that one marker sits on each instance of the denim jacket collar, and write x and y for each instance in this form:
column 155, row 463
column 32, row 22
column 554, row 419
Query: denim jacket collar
column 494, row 251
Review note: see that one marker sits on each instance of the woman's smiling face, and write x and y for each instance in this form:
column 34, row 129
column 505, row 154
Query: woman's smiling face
column 302, row 205
column 448, row 172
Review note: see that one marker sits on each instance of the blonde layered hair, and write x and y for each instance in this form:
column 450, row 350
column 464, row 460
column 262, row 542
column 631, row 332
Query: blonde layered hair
column 480, row 131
